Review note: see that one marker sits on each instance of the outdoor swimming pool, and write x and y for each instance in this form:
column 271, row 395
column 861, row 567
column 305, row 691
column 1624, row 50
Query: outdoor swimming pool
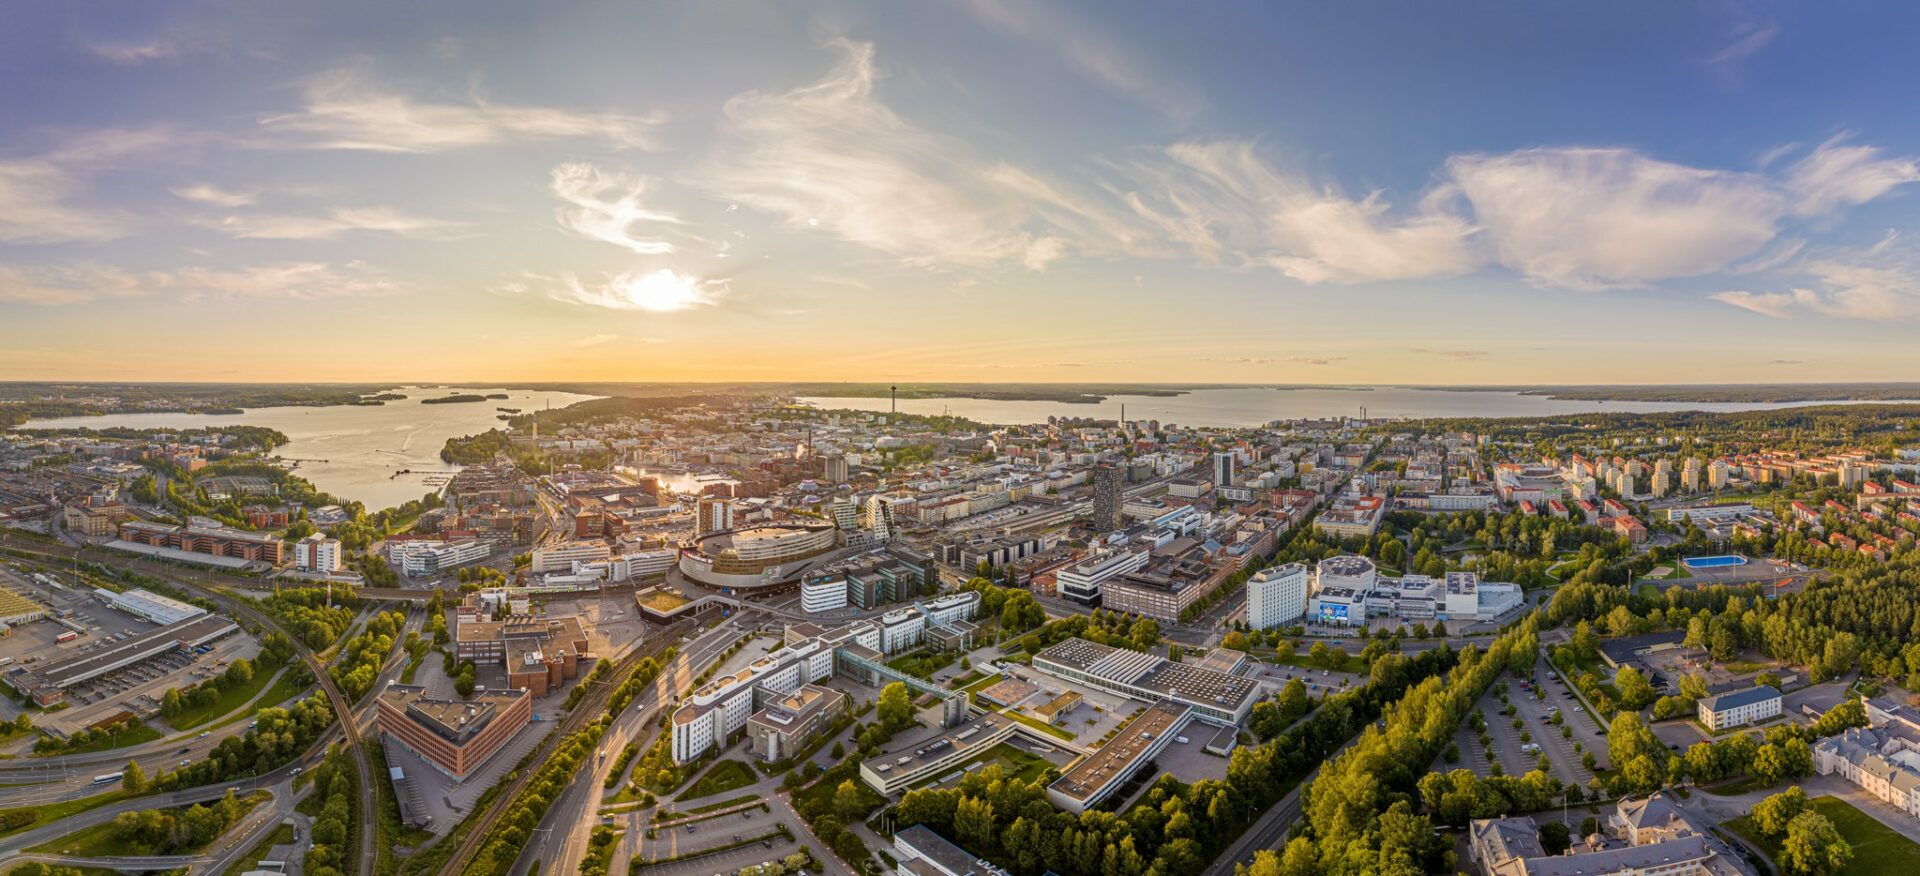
column 1714, row 562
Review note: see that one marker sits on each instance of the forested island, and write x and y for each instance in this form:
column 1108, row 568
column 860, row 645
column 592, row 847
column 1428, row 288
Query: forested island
column 22, row 402
column 462, row 398
column 1709, row 393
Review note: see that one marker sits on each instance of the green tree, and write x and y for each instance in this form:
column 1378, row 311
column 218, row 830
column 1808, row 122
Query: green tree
column 1773, row 814
column 1813, row 846
column 133, row 778
column 896, row 707
column 848, row 802
column 1555, row 838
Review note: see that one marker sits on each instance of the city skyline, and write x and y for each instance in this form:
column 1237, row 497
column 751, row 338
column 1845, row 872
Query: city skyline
column 972, row 192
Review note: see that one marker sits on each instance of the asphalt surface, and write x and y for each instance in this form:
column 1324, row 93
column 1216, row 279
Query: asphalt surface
column 209, row 584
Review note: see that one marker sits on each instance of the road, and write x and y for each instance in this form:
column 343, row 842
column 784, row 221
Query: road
column 586, row 711
column 209, row 585
column 562, row 840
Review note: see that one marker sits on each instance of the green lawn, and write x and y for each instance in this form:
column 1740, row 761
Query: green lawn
column 229, row 700
column 136, row 733
column 731, row 801
column 727, row 775
column 1877, row 849
column 282, row 835
column 50, row 812
column 99, row 840
column 1017, row 764
column 974, row 687
column 923, row 664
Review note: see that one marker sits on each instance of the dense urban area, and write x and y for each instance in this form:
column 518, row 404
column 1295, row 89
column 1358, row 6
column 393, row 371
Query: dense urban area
column 724, row 632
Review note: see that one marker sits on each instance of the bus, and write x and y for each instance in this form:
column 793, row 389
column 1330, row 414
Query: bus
column 109, row 777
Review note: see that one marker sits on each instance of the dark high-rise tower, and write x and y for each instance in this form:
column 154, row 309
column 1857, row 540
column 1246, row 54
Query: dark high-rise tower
column 1109, row 490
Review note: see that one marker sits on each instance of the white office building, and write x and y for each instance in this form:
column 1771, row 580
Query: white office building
column 317, row 553
column 1081, row 581
column 561, row 558
column 432, row 557
column 1277, row 595
column 824, row 594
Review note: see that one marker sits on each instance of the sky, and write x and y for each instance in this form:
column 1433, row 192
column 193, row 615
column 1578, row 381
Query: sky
column 961, row 190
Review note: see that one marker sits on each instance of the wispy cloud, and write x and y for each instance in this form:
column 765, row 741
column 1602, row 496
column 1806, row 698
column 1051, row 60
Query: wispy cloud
column 595, row 340
column 211, row 194
column 1316, row 360
column 1454, row 354
column 171, row 44
column 1745, row 41
column 39, row 194
column 381, row 220
column 1836, row 175
column 346, row 110
column 1225, row 204
column 606, row 206
column 52, row 285
column 831, row 156
column 1877, row 283
column 289, row 281
column 1786, row 362
column 1093, row 55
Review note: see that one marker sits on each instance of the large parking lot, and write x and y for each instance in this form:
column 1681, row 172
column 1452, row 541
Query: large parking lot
column 722, row 830
column 1535, row 708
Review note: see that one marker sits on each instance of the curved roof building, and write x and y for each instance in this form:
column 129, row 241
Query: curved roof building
column 756, row 556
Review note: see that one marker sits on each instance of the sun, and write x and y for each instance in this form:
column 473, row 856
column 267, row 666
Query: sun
column 661, row 291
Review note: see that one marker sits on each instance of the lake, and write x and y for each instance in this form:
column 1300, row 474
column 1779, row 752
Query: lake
column 1254, row 406
column 354, row 452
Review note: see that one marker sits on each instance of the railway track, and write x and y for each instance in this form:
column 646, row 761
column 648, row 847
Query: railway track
column 590, row 707
column 200, row 583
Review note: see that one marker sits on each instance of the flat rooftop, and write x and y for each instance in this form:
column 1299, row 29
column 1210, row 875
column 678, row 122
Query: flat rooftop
column 1120, row 756
column 79, row 667
column 973, row 734
column 1157, row 676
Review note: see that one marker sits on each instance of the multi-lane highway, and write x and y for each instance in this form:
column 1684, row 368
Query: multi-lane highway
column 211, row 585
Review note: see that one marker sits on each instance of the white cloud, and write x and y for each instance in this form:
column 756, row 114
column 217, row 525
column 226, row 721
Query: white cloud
column 595, row 340
column 661, row 291
column 211, row 194
column 1224, row 204
column 1594, row 218
column 1875, row 284
column 50, row 285
column 383, row 220
column 831, row 156
column 605, row 206
column 1778, row 305
column 346, row 111
column 1836, row 175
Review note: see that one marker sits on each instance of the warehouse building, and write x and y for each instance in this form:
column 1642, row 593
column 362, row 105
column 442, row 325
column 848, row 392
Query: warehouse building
column 150, row 607
column 47, row 684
